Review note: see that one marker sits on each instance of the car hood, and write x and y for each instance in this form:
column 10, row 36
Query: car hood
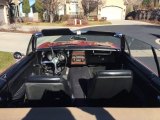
column 77, row 43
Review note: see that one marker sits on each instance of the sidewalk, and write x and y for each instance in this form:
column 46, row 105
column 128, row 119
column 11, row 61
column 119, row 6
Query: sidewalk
column 129, row 22
column 12, row 42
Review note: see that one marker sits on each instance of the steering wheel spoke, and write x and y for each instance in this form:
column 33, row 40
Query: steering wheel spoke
column 56, row 60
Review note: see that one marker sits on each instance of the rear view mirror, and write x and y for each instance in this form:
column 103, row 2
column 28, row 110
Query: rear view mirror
column 78, row 37
column 18, row 55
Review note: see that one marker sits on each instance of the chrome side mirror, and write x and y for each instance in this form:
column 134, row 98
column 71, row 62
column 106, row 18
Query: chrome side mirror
column 18, row 55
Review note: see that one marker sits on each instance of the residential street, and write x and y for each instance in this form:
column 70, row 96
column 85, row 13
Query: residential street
column 139, row 30
column 12, row 42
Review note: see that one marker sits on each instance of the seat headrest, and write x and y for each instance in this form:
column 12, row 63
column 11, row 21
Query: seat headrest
column 114, row 73
column 43, row 79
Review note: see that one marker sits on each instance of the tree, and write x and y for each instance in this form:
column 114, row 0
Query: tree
column 3, row 1
column 147, row 3
column 26, row 7
column 133, row 2
column 39, row 8
column 11, row 6
column 52, row 6
column 90, row 5
column 132, row 5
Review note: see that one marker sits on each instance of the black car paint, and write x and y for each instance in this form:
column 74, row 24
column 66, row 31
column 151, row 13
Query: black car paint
column 7, row 78
column 146, row 78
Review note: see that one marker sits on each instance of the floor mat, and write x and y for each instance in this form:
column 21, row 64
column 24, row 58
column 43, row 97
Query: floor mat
column 78, row 77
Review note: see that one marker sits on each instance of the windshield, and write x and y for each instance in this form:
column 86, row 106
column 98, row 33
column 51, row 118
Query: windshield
column 74, row 40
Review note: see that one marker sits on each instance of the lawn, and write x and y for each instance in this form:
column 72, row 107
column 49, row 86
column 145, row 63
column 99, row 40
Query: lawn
column 6, row 60
column 63, row 24
column 98, row 22
column 44, row 24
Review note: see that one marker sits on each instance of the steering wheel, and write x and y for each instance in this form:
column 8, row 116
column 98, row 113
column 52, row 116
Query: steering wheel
column 56, row 60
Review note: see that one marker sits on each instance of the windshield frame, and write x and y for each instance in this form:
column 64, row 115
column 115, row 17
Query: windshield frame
column 55, row 32
column 123, row 41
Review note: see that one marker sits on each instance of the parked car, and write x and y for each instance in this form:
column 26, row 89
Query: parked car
column 105, row 69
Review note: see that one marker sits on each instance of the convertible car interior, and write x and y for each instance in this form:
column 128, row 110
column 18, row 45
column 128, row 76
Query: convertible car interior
column 79, row 77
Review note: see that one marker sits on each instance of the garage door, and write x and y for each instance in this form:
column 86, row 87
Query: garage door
column 112, row 13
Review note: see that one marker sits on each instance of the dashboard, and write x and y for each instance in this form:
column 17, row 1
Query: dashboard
column 55, row 61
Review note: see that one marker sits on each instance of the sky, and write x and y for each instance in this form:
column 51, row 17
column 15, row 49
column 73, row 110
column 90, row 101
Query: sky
column 32, row 2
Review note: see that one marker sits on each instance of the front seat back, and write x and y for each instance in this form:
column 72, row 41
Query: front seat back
column 108, row 83
column 37, row 86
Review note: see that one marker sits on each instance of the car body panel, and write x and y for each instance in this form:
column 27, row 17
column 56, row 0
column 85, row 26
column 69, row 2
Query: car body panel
column 147, row 80
column 72, row 113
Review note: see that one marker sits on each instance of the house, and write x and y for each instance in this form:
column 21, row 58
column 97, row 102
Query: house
column 110, row 9
column 113, row 10
column 73, row 7
column 3, row 13
column 9, row 11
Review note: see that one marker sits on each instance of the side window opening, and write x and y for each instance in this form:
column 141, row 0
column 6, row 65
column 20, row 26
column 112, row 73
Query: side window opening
column 142, row 52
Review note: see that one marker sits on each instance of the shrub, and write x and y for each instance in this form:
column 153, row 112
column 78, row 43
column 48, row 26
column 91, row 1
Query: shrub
column 14, row 27
column 34, row 29
column 84, row 22
column 64, row 17
column 27, row 19
column 70, row 22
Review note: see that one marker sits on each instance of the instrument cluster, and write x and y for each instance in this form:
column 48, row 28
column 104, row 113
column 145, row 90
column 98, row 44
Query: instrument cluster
column 53, row 60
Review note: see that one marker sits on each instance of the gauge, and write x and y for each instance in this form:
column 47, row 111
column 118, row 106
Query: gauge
column 61, row 56
column 50, row 55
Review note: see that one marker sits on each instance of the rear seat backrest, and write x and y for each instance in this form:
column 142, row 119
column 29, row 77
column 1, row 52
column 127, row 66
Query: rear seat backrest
column 108, row 83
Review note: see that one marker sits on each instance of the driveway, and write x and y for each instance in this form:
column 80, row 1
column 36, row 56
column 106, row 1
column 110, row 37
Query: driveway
column 129, row 22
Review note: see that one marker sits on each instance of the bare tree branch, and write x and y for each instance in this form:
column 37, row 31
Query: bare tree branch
column 133, row 2
column 51, row 6
column 5, row 2
column 90, row 5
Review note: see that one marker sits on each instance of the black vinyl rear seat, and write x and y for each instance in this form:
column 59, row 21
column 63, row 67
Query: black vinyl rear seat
column 108, row 83
column 37, row 85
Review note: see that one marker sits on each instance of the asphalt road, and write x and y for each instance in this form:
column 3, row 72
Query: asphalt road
column 146, row 33
column 12, row 42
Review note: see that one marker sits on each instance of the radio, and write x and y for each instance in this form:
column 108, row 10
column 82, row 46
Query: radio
column 78, row 58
